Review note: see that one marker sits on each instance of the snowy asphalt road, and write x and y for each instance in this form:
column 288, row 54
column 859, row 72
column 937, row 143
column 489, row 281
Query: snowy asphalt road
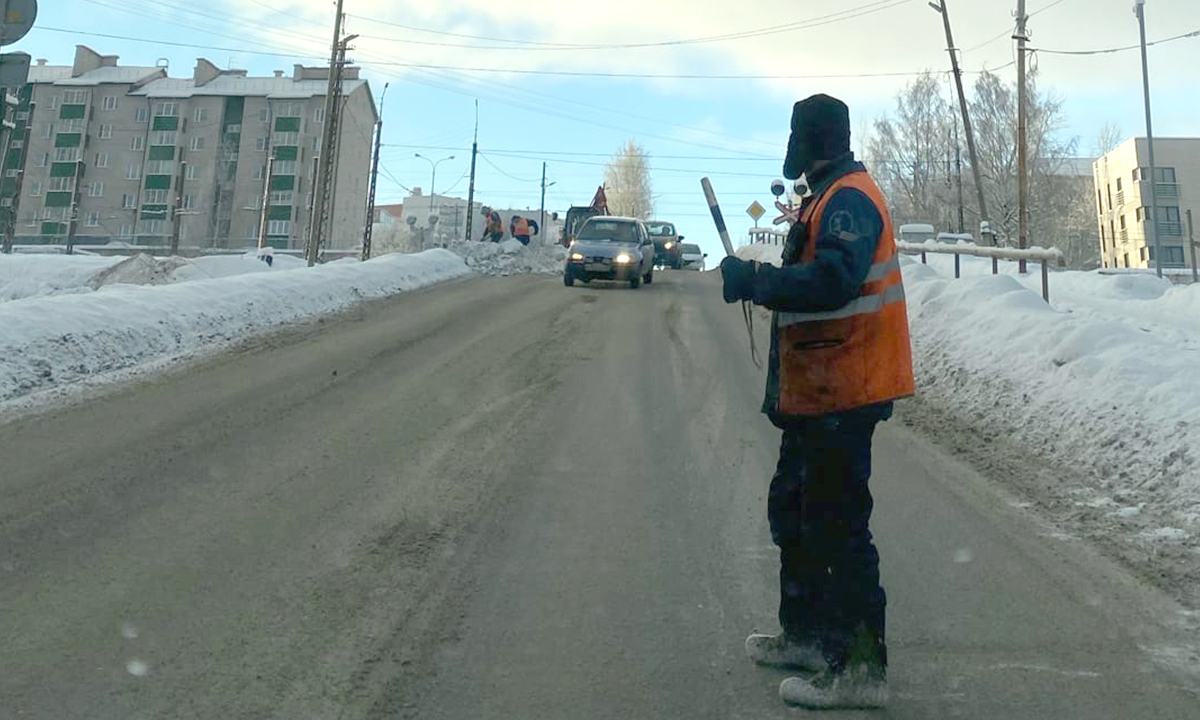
column 503, row 498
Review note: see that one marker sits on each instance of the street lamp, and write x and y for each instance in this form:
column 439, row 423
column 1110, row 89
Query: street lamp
column 1139, row 9
column 433, row 177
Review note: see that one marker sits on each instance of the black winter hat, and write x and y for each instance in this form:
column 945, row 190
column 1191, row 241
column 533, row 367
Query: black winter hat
column 820, row 131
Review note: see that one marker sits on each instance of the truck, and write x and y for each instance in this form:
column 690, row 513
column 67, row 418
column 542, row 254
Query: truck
column 577, row 215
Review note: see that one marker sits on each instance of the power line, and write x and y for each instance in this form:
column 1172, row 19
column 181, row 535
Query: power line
column 502, row 172
column 840, row 16
column 564, row 153
column 1192, row 34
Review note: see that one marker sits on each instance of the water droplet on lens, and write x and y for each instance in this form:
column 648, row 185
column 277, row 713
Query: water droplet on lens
column 129, row 631
column 963, row 555
column 137, row 668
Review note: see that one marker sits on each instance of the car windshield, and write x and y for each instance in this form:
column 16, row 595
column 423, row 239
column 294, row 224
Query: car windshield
column 660, row 229
column 609, row 231
column 691, row 249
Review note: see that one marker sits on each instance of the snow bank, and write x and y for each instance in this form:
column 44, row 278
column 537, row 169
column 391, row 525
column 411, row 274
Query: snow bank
column 1102, row 381
column 511, row 257
column 23, row 276
column 54, row 341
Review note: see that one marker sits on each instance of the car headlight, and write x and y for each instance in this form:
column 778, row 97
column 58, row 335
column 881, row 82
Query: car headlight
column 576, row 256
column 670, row 245
column 623, row 258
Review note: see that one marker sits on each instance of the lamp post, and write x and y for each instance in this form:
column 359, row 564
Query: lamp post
column 432, row 177
column 1139, row 9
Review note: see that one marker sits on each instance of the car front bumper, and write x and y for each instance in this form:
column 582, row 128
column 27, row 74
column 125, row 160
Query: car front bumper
column 599, row 270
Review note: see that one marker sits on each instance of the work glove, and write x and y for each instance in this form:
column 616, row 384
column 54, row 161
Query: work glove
column 738, row 276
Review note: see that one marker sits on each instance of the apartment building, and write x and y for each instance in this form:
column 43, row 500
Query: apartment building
column 140, row 155
column 1122, row 185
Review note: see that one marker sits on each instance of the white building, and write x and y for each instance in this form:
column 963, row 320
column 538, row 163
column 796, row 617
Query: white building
column 112, row 142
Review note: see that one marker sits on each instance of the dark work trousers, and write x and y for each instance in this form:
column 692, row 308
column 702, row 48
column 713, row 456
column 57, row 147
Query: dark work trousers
column 819, row 509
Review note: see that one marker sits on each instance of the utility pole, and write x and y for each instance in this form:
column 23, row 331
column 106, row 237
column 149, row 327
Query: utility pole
column 962, row 221
column 73, row 217
column 1192, row 245
column 1139, row 9
column 1022, row 150
column 976, row 172
column 266, row 203
column 366, row 250
column 178, row 219
column 312, row 201
column 332, row 109
column 542, row 216
column 471, row 187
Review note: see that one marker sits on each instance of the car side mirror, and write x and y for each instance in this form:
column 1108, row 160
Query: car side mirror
column 705, row 255
column 682, row 238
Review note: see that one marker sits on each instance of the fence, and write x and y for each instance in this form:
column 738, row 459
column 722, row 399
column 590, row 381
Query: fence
column 770, row 236
column 1045, row 256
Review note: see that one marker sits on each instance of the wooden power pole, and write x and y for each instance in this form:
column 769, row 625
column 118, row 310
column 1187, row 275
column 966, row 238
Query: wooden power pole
column 1022, row 37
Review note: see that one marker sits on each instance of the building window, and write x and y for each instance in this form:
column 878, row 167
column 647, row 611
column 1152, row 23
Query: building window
column 193, row 172
column 47, row 131
column 260, row 144
column 152, row 226
column 201, row 115
column 197, row 143
column 319, row 114
column 66, row 154
column 164, row 137
column 287, row 138
column 160, row 167
column 169, row 109
column 109, row 102
column 189, row 201
column 1123, row 224
column 44, row 160
column 96, row 189
column 101, row 159
column 6, row 202
column 133, row 172
column 259, row 172
column 284, row 167
column 74, row 125
column 126, row 231
column 141, row 115
column 16, row 144
column 155, row 197
column 75, row 97
column 137, row 143
column 54, row 99
column 279, row 227
column 23, row 115
column 47, row 213
column 106, row 132
column 1137, row 174
column 290, row 110
column 12, row 173
column 62, row 184
column 264, row 115
column 129, row 202
column 316, row 144
column 1119, row 185
column 92, row 219
column 35, row 189
column 281, row 197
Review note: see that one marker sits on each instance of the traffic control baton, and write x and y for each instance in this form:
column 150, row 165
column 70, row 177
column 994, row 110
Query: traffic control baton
column 716, row 214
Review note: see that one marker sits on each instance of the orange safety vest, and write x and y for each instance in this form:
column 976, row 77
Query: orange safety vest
column 521, row 227
column 494, row 224
column 859, row 354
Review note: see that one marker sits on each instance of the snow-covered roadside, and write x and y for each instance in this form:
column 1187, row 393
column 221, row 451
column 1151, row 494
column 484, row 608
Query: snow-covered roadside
column 511, row 257
column 1089, row 406
column 57, row 341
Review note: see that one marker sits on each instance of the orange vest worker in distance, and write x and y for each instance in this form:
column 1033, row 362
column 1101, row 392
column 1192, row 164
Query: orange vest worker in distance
column 840, row 355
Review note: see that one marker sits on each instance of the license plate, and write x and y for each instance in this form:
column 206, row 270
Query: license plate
column 596, row 267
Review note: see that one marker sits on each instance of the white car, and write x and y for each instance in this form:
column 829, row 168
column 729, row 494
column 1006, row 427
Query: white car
column 692, row 258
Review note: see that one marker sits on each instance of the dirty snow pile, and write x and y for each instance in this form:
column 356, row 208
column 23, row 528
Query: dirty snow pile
column 52, row 341
column 39, row 274
column 511, row 257
column 1100, row 388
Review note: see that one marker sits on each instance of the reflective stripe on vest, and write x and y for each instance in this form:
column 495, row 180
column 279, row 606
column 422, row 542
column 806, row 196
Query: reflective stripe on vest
column 879, row 271
column 860, row 306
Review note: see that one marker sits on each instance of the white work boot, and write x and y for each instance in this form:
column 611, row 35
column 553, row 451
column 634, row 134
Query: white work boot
column 858, row 686
column 779, row 651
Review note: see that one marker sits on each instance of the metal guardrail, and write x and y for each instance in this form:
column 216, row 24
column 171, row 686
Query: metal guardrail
column 1045, row 256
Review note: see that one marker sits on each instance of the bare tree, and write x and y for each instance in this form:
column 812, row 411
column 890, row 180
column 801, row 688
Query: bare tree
column 627, row 182
column 1109, row 138
column 910, row 153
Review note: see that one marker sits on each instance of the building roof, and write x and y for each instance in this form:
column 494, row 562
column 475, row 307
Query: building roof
column 112, row 75
column 48, row 73
column 235, row 85
column 1076, row 167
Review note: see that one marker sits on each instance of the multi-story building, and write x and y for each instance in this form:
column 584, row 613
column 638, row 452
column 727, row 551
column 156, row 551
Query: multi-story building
column 1122, row 184
column 140, row 156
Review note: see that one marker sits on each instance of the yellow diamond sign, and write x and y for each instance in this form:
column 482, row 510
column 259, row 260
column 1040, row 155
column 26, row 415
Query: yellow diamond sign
column 755, row 210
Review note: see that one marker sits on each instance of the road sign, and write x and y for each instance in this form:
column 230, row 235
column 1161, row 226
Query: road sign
column 755, row 210
column 14, row 70
column 17, row 21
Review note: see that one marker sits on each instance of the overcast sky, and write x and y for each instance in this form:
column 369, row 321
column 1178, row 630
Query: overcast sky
column 732, row 130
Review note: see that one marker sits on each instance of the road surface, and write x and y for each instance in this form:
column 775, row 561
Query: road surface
column 503, row 498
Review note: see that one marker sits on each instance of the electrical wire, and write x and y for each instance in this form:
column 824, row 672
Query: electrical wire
column 1105, row 51
column 840, row 16
column 502, row 172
